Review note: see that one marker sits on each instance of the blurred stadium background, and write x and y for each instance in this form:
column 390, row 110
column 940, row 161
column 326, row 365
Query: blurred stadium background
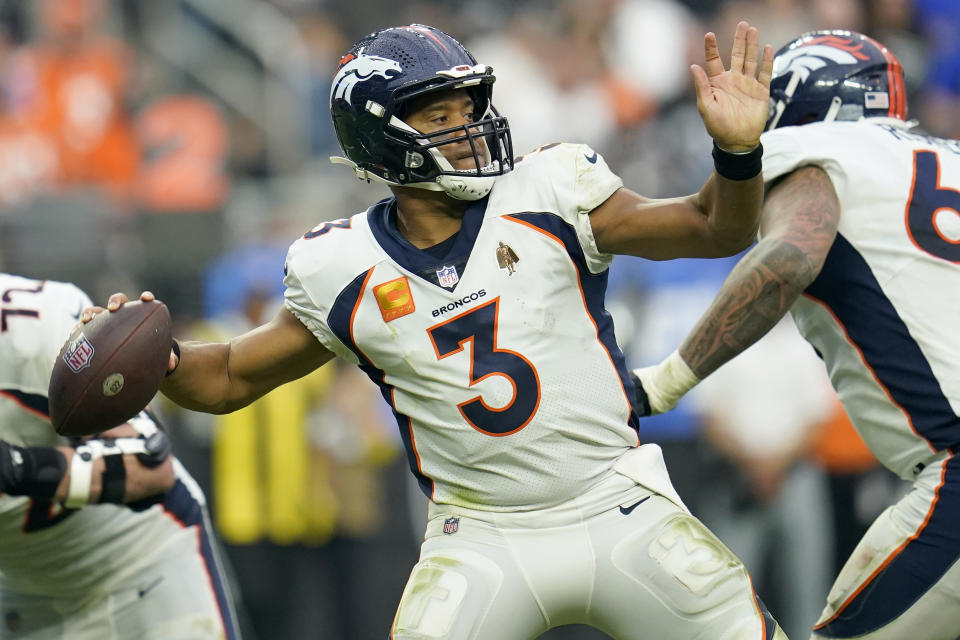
column 180, row 145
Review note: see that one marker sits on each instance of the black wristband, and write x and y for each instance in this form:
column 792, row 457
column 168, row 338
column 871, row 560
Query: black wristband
column 114, row 479
column 738, row 166
column 175, row 347
column 31, row 471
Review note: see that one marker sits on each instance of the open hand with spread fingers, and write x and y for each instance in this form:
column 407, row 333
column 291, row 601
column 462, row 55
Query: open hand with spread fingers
column 734, row 103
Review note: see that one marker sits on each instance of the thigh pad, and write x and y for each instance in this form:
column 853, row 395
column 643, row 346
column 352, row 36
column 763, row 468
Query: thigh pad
column 684, row 564
column 448, row 595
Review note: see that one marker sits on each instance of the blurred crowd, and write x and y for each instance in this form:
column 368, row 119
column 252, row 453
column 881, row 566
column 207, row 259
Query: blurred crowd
column 181, row 145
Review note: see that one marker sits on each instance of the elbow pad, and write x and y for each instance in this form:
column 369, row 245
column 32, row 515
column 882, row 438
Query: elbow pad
column 31, row 471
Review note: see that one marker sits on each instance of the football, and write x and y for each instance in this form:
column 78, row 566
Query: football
column 110, row 368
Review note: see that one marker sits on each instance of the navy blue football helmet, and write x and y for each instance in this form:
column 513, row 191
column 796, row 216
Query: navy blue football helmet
column 374, row 82
column 835, row 75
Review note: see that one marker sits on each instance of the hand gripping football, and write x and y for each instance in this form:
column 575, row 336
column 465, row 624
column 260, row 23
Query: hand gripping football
column 110, row 368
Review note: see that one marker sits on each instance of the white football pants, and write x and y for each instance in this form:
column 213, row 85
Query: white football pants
column 620, row 558
column 903, row 578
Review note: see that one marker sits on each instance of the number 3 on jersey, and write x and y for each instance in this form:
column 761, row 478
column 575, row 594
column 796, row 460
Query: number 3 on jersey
column 479, row 327
column 927, row 200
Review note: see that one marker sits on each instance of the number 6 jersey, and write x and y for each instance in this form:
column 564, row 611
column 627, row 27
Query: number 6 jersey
column 493, row 348
column 883, row 312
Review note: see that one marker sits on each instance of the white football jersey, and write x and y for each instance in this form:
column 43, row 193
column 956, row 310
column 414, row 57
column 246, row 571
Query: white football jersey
column 35, row 319
column 46, row 550
column 498, row 358
column 882, row 312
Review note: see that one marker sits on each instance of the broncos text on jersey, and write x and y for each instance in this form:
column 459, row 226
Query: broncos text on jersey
column 497, row 357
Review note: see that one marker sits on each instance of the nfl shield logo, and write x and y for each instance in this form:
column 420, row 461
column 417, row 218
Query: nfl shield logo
column 448, row 276
column 79, row 354
column 450, row 525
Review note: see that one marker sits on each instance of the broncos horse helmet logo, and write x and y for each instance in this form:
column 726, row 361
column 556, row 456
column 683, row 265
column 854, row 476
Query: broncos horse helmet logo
column 817, row 54
column 355, row 69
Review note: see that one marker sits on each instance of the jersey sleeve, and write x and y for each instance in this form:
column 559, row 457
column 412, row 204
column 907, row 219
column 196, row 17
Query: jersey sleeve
column 585, row 183
column 309, row 310
column 789, row 148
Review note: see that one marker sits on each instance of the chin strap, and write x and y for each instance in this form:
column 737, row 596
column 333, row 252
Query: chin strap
column 458, row 187
column 781, row 105
column 834, row 109
column 362, row 174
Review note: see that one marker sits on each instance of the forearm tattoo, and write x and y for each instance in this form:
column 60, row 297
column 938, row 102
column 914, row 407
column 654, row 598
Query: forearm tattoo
column 767, row 281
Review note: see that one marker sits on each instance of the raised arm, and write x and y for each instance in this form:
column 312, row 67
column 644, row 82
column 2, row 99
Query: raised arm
column 722, row 218
column 220, row 377
column 800, row 221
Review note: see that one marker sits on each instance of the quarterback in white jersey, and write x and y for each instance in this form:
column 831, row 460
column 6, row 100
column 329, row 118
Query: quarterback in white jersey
column 457, row 342
column 104, row 571
column 474, row 299
column 861, row 241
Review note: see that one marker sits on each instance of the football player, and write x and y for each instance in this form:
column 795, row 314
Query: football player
column 139, row 561
column 513, row 399
column 861, row 218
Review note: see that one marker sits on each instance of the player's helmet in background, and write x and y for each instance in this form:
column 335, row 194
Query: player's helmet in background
column 375, row 81
column 835, row 75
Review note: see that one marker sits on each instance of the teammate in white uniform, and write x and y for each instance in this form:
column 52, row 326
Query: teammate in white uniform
column 144, row 570
column 861, row 217
column 474, row 298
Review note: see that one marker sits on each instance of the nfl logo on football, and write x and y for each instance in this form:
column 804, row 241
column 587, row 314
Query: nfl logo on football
column 450, row 526
column 448, row 276
column 79, row 354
